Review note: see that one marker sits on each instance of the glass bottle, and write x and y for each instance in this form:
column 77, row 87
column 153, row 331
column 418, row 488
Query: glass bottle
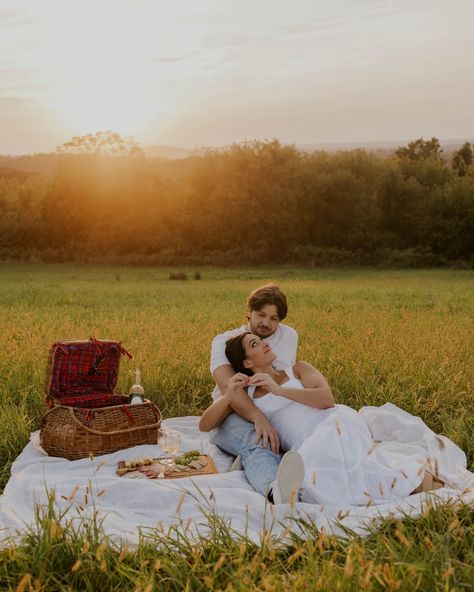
column 136, row 394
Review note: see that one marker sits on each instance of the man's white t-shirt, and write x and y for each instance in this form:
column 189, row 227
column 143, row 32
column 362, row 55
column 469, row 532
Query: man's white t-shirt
column 284, row 343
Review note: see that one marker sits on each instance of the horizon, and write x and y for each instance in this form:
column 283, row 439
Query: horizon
column 449, row 143
column 317, row 72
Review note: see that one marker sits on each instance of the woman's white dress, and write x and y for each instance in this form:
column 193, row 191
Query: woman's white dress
column 343, row 465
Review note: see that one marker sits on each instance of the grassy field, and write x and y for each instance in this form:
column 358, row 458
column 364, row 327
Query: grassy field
column 400, row 336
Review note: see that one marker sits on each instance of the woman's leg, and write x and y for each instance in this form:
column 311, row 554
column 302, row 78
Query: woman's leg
column 345, row 466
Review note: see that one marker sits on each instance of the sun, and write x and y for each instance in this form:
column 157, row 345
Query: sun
column 104, row 78
column 105, row 101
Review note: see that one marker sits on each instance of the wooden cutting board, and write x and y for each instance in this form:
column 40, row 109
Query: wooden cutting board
column 154, row 470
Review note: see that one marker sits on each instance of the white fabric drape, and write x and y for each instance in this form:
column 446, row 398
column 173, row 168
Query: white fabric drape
column 128, row 506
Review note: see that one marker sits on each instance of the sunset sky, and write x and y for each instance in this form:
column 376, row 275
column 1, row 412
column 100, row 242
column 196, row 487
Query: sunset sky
column 212, row 72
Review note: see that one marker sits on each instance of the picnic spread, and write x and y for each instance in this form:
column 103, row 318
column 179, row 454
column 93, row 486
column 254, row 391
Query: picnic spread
column 191, row 464
column 98, row 456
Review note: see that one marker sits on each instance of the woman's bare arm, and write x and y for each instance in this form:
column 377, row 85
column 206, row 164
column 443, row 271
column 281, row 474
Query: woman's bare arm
column 215, row 414
column 316, row 391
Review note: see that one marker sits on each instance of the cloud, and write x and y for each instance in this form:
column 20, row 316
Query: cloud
column 174, row 58
column 272, row 66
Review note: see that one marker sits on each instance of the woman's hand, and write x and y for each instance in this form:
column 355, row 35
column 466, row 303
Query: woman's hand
column 266, row 381
column 237, row 381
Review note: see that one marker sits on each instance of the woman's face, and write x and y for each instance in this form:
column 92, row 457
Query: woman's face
column 258, row 353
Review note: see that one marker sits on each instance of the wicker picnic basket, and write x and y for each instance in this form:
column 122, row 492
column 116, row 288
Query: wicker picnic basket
column 86, row 417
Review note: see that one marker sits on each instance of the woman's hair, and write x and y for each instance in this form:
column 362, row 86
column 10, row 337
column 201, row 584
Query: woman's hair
column 268, row 294
column 235, row 352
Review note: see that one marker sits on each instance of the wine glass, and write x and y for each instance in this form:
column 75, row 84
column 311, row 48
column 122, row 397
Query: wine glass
column 170, row 442
column 162, row 442
column 173, row 444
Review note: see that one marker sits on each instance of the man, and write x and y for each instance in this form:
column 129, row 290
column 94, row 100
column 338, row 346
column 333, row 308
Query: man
column 245, row 431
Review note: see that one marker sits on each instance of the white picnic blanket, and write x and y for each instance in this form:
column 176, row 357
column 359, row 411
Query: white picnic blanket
column 127, row 507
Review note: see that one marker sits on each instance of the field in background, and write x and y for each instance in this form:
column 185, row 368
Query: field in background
column 400, row 336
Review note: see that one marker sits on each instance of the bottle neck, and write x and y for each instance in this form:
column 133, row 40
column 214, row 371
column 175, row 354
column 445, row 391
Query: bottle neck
column 136, row 389
column 138, row 376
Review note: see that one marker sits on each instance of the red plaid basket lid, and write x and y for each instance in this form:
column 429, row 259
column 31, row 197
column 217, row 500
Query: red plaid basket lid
column 82, row 371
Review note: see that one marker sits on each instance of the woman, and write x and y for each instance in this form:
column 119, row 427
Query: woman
column 343, row 465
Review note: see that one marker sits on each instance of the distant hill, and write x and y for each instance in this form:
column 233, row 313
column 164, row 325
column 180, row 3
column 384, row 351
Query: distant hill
column 386, row 148
column 174, row 152
column 168, row 151
column 47, row 163
column 336, row 146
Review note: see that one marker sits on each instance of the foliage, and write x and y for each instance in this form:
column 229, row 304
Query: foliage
column 420, row 150
column 462, row 159
column 254, row 203
column 101, row 143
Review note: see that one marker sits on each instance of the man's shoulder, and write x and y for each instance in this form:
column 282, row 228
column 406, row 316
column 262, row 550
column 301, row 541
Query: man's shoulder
column 287, row 331
column 218, row 357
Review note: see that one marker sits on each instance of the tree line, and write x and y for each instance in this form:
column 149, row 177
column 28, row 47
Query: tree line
column 252, row 203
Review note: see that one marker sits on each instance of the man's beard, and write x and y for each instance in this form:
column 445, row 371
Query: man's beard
column 262, row 331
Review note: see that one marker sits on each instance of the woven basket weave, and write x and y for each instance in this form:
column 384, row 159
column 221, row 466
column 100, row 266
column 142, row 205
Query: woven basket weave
column 65, row 433
column 95, row 420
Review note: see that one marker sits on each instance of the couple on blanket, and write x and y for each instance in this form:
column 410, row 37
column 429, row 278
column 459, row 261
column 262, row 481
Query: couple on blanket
column 264, row 400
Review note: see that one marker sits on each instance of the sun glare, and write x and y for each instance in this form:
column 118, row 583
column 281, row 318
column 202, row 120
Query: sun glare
column 104, row 102
column 105, row 79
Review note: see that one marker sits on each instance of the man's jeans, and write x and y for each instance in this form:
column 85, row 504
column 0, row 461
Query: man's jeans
column 236, row 436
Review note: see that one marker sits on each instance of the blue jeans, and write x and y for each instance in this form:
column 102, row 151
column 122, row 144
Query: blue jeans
column 236, row 436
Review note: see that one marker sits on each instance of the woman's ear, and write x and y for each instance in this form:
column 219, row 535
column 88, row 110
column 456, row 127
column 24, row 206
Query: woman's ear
column 247, row 364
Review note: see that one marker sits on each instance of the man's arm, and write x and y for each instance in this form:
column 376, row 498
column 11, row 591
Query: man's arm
column 241, row 404
column 236, row 399
column 222, row 375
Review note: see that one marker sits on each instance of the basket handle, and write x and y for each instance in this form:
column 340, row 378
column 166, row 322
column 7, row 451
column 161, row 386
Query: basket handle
column 113, row 433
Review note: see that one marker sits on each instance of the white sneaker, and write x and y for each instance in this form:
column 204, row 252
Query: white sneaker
column 289, row 479
column 236, row 465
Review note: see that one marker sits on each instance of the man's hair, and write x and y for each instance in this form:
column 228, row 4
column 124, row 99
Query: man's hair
column 268, row 294
column 235, row 353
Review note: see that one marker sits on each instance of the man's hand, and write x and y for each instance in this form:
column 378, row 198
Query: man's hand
column 265, row 430
column 244, row 406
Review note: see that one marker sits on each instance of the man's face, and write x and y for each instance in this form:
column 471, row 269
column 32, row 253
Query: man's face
column 264, row 322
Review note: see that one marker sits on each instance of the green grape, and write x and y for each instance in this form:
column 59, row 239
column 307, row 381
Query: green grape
column 192, row 453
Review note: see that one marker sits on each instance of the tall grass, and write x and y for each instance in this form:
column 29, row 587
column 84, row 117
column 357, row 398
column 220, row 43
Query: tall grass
column 400, row 336
column 434, row 552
